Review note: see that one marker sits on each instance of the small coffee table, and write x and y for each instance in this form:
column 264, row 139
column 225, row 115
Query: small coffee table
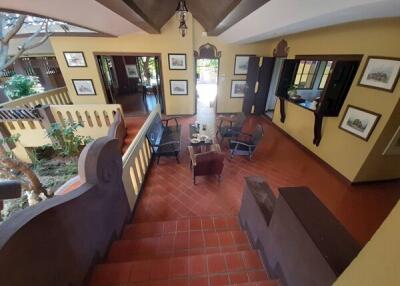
column 203, row 144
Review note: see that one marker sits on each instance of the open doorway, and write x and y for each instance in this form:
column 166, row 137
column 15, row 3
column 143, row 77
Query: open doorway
column 134, row 81
column 206, row 84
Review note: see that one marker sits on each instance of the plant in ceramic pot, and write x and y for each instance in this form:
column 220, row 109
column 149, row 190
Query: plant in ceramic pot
column 292, row 91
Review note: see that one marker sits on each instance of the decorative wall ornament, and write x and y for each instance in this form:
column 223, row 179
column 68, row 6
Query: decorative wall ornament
column 75, row 59
column 178, row 87
column 381, row 73
column 238, row 88
column 132, row 71
column 359, row 122
column 177, row 61
column 84, row 86
column 281, row 50
column 207, row 51
column 241, row 64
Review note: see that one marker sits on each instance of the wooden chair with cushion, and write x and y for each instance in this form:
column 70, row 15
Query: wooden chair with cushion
column 234, row 127
column 247, row 143
column 207, row 163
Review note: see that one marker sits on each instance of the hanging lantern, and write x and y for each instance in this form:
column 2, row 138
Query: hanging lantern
column 181, row 12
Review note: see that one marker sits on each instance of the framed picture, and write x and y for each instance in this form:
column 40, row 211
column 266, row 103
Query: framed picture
column 381, row 73
column 75, row 59
column 84, row 86
column 132, row 71
column 242, row 64
column 393, row 148
column 178, row 87
column 359, row 122
column 177, row 61
column 238, row 88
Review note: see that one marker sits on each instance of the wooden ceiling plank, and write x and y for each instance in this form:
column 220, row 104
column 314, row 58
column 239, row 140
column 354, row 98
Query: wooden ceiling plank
column 242, row 10
column 131, row 13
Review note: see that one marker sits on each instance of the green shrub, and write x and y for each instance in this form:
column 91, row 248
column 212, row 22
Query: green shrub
column 65, row 140
column 21, row 85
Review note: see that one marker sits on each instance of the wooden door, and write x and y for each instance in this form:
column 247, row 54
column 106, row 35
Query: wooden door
column 338, row 86
column 288, row 72
column 264, row 82
column 252, row 78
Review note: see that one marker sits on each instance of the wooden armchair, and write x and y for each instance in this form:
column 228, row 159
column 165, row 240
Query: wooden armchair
column 207, row 163
column 247, row 145
column 231, row 130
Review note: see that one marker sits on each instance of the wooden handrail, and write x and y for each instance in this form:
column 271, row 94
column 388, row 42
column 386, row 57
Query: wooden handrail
column 136, row 160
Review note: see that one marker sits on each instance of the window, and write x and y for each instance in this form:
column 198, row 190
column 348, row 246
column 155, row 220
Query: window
column 306, row 73
column 324, row 78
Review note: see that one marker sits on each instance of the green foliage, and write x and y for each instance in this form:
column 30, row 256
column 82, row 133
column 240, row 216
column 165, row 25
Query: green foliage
column 65, row 140
column 12, row 140
column 20, row 85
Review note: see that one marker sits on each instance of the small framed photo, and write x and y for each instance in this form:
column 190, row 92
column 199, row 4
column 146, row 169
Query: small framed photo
column 359, row 122
column 132, row 71
column 75, row 59
column 84, row 86
column 381, row 73
column 393, row 148
column 242, row 64
column 178, row 87
column 238, row 88
column 177, row 61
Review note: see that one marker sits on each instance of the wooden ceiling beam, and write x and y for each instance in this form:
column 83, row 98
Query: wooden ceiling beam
column 131, row 13
column 242, row 10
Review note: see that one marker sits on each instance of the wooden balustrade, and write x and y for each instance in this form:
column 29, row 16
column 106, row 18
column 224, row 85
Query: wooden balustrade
column 136, row 161
column 58, row 96
column 94, row 118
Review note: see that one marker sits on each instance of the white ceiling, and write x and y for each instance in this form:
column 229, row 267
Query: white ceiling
column 86, row 13
column 282, row 17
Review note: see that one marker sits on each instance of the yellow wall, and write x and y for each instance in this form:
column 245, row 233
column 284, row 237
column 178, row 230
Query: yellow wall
column 349, row 155
column 379, row 261
column 341, row 150
column 169, row 41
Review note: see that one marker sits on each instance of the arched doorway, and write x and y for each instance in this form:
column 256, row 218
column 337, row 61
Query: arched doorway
column 207, row 70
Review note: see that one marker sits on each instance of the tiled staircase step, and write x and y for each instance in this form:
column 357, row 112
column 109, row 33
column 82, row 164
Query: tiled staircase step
column 178, row 244
column 211, row 223
column 211, row 269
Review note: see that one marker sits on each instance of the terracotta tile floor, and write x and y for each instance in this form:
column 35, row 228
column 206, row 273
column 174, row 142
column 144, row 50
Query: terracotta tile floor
column 170, row 194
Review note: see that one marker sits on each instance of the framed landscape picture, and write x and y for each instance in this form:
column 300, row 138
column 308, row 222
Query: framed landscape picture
column 84, row 86
column 132, row 71
column 178, row 87
column 238, row 88
column 75, row 59
column 242, row 64
column 177, row 61
column 359, row 122
column 381, row 73
column 393, row 148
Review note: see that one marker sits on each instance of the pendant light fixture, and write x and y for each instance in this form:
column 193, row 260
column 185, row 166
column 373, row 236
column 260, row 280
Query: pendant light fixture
column 181, row 12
